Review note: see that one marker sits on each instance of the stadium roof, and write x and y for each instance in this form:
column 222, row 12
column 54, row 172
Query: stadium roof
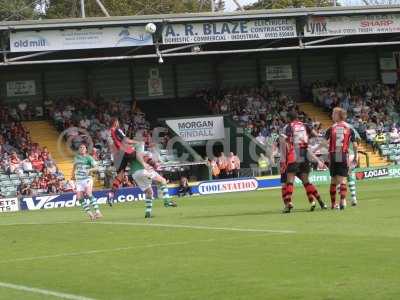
column 193, row 17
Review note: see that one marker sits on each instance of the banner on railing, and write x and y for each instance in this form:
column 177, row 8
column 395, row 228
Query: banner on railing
column 69, row 199
column 84, row 38
column 9, row 205
column 349, row 25
column 186, row 33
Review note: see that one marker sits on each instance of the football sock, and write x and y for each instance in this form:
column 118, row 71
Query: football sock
column 84, row 204
column 312, row 192
column 343, row 192
column 289, row 192
column 148, row 205
column 352, row 187
column 332, row 192
column 115, row 185
column 94, row 203
column 165, row 194
column 283, row 189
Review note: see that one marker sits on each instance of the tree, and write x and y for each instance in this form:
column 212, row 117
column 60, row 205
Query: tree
column 15, row 10
column 270, row 4
column 71, row 8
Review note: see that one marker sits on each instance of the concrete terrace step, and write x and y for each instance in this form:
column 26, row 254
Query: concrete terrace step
column 44, row 133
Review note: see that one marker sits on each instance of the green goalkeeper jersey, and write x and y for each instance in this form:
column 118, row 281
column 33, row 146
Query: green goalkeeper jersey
column 135, row 166
column 82, row 165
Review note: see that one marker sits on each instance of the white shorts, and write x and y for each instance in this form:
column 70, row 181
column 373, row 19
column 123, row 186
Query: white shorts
column 83, row 185
column 144, row 178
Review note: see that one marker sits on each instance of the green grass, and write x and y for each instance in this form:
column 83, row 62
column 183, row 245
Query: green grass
column 332, row 255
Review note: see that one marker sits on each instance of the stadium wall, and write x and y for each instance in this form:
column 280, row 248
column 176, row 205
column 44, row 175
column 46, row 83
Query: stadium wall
column 182, row 77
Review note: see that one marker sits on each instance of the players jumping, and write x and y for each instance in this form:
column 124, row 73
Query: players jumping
column 123, row 153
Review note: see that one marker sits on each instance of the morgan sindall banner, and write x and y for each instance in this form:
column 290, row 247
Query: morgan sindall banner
column 229, row 31
column 88, row 38
column 198, row 129
column 362, row 24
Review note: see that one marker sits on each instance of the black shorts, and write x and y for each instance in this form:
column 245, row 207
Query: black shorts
column 338, row 168
column 299, row 168
column 126, row 159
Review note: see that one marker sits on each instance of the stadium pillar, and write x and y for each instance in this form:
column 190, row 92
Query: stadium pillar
column 258, row 70
column 217, row 77
column 88, row 83
column 43, row 85
column 339, row 67
column 378, row 67
column 299, row 73
column 132, row 81
column 175, row 79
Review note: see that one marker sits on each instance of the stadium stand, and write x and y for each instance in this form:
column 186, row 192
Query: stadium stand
column 261, row 111
column 83, row 120
column 25, row 167
column 371, row 109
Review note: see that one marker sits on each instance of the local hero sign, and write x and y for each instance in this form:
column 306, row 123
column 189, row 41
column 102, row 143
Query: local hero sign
column 343, row 25
column 88, row 38
column 198, row 129
column 229, row 31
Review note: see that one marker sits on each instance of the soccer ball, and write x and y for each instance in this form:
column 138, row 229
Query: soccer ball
column 151, row 28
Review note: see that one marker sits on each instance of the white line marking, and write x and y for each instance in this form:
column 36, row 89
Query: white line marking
column 103, row 251
column 196, row 227
column 35, row 223
column 42, row 291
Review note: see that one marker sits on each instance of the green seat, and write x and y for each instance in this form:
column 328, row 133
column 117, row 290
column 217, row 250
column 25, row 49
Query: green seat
column 14, row 176
column 4, row 177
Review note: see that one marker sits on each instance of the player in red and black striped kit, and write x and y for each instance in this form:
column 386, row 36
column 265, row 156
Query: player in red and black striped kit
column 295, row 161
column 340, row 135
column 123, row 152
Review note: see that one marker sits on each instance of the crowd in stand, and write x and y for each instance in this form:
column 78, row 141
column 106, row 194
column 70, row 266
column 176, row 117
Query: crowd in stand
column 373, row 108
column 260, row 111
column 32, row 166
column 89, row 120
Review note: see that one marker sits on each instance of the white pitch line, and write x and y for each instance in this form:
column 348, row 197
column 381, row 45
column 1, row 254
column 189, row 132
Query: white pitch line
column 34, row 223
column 102, row 251
column 42, row 291
column 197, row 227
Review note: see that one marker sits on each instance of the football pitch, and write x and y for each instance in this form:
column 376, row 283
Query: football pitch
column 229, row 246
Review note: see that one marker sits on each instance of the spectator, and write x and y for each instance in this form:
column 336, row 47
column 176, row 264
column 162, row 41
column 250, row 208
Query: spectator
column 15, row 163
column 380, row 139
column 215, row 169
column 25, row 190
column 27, row 165
column 263, row 164
column 184, row 187
column 222, row 165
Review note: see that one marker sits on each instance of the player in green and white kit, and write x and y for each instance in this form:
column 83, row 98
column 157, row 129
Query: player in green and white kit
column 84, row 164
column 351, row 178
column 144, row 175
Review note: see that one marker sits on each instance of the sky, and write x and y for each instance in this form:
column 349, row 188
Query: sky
column 230, row 5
